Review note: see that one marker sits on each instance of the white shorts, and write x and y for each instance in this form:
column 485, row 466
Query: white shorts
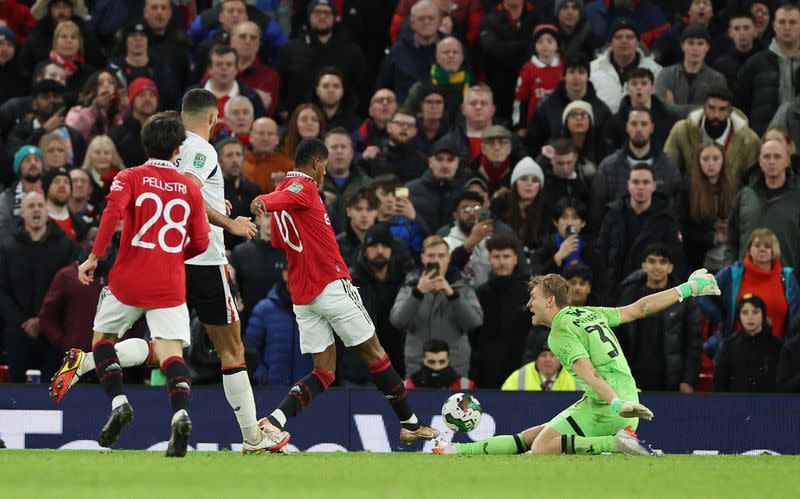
column 338, row 308
column 114, row 317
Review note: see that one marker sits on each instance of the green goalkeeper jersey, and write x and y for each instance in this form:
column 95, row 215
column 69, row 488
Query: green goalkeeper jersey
column 585, row 332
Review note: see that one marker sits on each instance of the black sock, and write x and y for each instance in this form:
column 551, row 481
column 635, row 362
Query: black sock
column 109, row 371
column 391, row 384
column 303, row 393
column 178, row 382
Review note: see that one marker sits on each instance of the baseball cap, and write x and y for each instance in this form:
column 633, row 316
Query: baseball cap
column 496, row 132
column 316, row 3
column 445, row 144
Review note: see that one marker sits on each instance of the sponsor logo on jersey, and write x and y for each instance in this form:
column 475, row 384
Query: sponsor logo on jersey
column 116, row 185
column 296, row 187
column 199, row 160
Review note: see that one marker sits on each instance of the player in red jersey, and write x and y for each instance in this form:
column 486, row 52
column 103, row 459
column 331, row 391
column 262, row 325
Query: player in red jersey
column 324, row 299
column 164, row 223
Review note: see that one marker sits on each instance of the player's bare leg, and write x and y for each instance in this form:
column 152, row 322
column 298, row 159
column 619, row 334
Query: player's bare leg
column 391, row 384
column 501, row 445
column 179, row 384
column 227, row 340
column 109, row 372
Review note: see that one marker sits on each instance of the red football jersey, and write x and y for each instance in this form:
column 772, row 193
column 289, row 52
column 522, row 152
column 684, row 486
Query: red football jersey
column 160, row 209
column 301, row 227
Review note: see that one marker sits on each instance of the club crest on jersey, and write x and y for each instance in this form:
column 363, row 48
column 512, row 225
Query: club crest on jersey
column 116, row 185
column 199, row 160
column 296, row 187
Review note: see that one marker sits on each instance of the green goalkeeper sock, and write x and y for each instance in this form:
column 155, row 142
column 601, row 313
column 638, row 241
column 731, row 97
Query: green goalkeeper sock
column 497, row 446
column 573, row 444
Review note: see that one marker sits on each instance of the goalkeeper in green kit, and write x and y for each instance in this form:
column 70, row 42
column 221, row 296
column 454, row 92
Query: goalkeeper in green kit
column 606, row 417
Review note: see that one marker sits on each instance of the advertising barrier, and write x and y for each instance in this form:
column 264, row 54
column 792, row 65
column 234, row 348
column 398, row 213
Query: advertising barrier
column 361, row 420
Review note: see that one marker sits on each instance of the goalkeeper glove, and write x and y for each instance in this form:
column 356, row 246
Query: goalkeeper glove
column 700, row 283
column 631, row 409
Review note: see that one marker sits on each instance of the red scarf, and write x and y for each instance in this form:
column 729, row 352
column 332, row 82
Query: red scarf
column 71, row 67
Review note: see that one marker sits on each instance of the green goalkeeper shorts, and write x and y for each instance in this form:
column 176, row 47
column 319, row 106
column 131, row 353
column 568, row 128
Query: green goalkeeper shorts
column 590, row 418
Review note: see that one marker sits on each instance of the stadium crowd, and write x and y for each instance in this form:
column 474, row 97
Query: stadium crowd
column 621, row 143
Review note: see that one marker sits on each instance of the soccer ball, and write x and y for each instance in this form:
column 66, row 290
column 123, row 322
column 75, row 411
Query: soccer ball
column 462, row 412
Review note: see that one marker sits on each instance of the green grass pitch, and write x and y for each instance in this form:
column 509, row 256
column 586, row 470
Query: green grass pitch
column 140, row 474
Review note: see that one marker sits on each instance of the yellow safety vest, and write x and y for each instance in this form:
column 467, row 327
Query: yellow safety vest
column 528, row 378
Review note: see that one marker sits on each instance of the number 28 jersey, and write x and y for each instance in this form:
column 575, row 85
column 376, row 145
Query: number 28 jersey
column 161, row 209
column 585, row 332
column 301, row 227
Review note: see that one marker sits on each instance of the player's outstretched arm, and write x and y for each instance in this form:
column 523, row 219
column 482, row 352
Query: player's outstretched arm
column 585, row 371
column 240, row 226
column 700, row 283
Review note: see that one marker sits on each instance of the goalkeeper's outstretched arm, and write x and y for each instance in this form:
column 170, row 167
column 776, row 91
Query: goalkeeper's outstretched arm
column 700, row 283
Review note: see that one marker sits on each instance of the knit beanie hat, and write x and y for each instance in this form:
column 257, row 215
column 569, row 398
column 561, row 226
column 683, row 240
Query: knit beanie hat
column 527, row 166
column 24, row 151
column 51, row 175
column 577, row 104
column 140, row 84
column 560, row 3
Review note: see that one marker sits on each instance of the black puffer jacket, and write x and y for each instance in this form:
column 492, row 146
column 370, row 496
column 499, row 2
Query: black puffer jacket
column 682, row 328
column 748, row 363
column 663, row 120
column 435, row 199
column 758, row 89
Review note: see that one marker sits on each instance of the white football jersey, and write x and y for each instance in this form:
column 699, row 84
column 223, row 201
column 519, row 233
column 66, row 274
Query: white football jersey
column 199, row 158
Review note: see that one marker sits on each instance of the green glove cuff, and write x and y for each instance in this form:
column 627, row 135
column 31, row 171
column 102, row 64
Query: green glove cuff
column 616, row 403
column 685, row 290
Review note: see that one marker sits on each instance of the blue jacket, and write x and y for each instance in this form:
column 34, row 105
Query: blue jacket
column 206, row 26
column 273, row 332
column 646, row 15
column 406, row 63
column 722, row 308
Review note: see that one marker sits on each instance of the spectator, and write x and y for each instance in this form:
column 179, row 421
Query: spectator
column 498, row 344
column 28, row 169
column 748, row 360
column 273, row 332
column 494, row 163
column 434, row 194
column 567, row 246
column 222, row 82
column 612, row 176
column 399, row 156
column 361, row 208
column 522, row 206
column 458, row 17
column 633, row 222
column 29, row 259
column 46, row 116
column 578, row 125
column 609, row 70
column 410, row 58
column 766, row 80
column 435, row 371
column 742, row 32
column 563, row 178
column 431, row 122
column 264, row 165
column 18, row 17
column 108, row 16
column 761, row 273
column 538, row 77
column 101, row 105
column 378, row 272
column 706, row 202
column 685, row 85
column 143, row 99
column 663, row 349
column 640, row 92
column 717, row 121
column 788, row 370
column 137, row 61
column 449, row 77
column 80, row 202
column 644, row 16
column 103, row 163
column 54, row 148
column 784, row 136
column 700, row 14
column 337, row 106
column 341, row 175
column 548, row 120
column 773, row 192
column 506, row 41
column 57, row 188
column 581, row 283
column 306, row 121
column 575, row 33
column 436, row 296
column 257, row 267
column 239, row 191
column 322, row 44
column 371, row 136
column 397, row 212
column 238, row 120
column 67, row 52
column 262, row 78
column 760, row 11
column 11, row 85
column 544, row 374
column 168, row 38
column 15, row 108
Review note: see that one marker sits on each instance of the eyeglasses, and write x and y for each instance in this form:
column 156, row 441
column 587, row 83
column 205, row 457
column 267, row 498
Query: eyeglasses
column 383, row 100
column 578, row 115
column 403, row 124
column 471, row 209
column 433, row 102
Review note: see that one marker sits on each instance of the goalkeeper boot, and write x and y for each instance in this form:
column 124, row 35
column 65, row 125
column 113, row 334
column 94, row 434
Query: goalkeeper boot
column 179, row 436
column 67, row 375
column 120, row 416
column 627, row 442
column 408, row 436
column 272, row 440
column 445, row 448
